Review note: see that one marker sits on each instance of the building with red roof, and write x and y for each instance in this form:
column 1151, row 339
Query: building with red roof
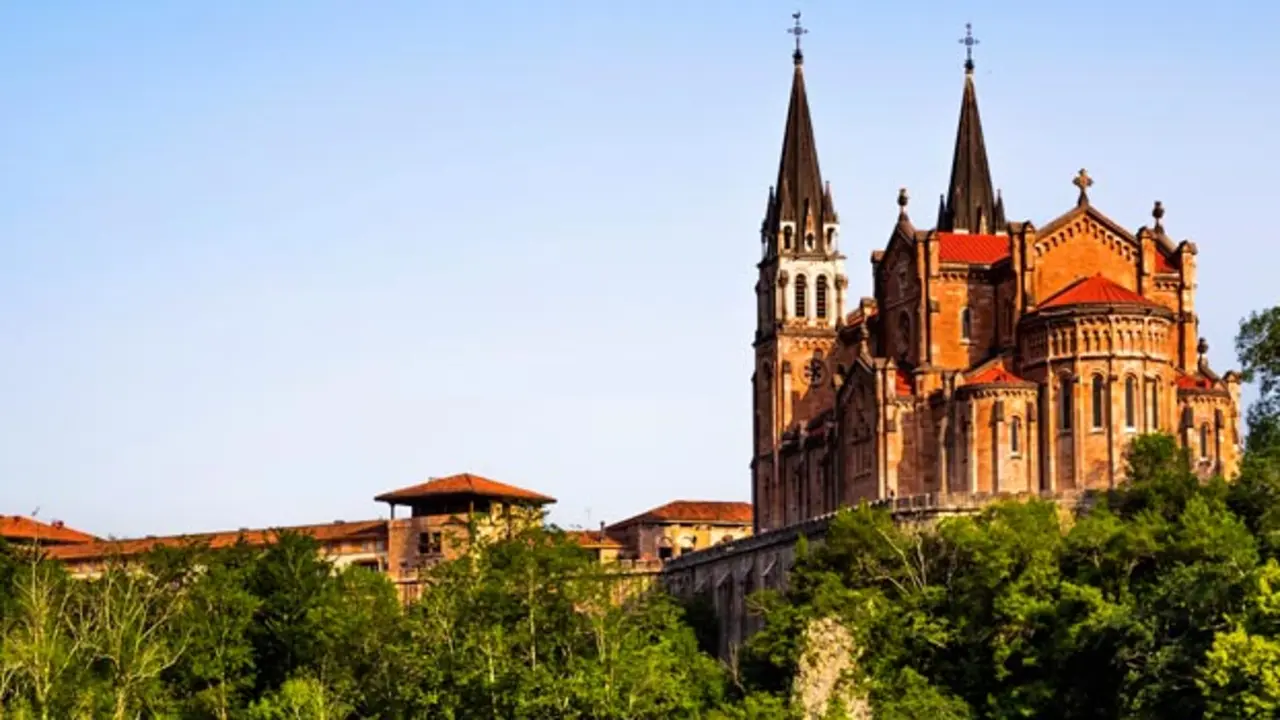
column 22, row 530
column 991, row 356
column 682, row 526
column 361, row 543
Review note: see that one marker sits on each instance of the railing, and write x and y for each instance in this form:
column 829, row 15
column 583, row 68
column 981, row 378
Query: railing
column 907, row 505
column 959, row 501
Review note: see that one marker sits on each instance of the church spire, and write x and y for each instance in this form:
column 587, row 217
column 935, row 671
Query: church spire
column 802, row 198
column 970, row 202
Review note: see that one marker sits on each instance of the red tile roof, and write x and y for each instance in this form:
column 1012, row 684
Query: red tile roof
column 972, row 248
column 24, row 529
column 994, row 375
column 1162, row 263
column 1094, row 290
column 328, row 532
column 902, row 382
column 592, row 539
column 464, row 484
column 693, row 511
column 1193, row 382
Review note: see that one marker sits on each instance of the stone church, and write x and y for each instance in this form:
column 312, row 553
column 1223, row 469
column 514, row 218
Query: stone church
column 995, row 357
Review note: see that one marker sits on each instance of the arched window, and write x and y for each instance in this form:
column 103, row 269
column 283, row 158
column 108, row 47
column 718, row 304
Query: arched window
column 1155, row 405
column 801, row 293
column 820, row 297
column 1064, row 403
column 1015, row 436
column 1099, row 400
column 1130, row 402
column 1204, row 441
column 966, row 324
column 786, row 237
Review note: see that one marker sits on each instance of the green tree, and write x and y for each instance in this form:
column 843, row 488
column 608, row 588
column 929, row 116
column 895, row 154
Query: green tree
column 44, row 646
column 1258, row 346
column 301, row 698
column 133, row 634
column 216, row 673
column 290, row 580
column 528, row 627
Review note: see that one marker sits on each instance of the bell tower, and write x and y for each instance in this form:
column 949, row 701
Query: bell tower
column 799, row 299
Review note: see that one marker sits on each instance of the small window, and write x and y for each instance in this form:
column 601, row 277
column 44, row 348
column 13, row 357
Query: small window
column 808, row 241
column 1204, row 441
column 1130, row 402
column 820, row 297
column 801, row 293
column 1015, row 436
column 1064, row 403
column 786, row 237
column 1099, row 400
column 430, row 543
column 966, row 324
column 665, row 549
column 1155, row 405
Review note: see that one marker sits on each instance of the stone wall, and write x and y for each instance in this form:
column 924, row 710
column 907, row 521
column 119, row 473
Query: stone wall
column 729, row 573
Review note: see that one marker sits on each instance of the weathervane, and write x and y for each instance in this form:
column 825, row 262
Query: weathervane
column 968, row 41
column 797, row 30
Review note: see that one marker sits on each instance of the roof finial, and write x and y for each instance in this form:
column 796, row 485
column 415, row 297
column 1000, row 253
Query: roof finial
column 903, row 199
column 797, row 30
column 1083, row 181
column 968, row 41
column 1157, row 212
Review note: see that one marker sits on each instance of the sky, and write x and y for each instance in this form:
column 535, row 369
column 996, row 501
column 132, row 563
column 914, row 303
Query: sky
column 260, row 262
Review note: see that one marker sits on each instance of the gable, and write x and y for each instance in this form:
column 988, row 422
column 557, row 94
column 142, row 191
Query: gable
column 1084, row 243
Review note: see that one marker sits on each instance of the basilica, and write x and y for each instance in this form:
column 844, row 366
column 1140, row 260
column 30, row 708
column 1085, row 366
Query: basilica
column 994, row 357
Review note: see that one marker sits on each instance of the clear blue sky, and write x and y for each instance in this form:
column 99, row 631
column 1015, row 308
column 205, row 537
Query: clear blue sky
column 261, row 261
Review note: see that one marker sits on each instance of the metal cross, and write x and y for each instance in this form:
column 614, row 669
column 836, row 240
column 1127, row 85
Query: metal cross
column 797, row 30
column 1084, row 182
column 968, row 41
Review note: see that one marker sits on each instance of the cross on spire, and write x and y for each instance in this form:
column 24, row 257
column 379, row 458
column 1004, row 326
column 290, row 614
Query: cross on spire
column 1084, row 182
column 968, row 41
column 798, row 30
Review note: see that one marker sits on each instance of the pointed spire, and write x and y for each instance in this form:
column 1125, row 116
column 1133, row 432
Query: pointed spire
column 802, row 196
column 829, row 213
column 971, row 202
